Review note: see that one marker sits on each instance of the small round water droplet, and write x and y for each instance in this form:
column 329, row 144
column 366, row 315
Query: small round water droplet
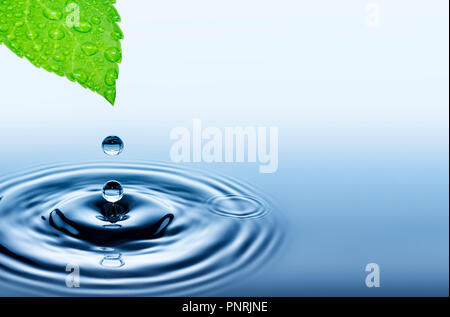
column 80, row 76
column 56, row 34
column 52, row 15
column 30, row 57
column 112, row 145
column 54, row 68
column 113, row 14
column 113, row 54
column 89, row 48
column 37, row 47
column 96, row 20
column 58, row 57
column 116, row 33
column 32, row 35
column 111, row 76
column 110, row 95
column 112, row 191
column 83, row 27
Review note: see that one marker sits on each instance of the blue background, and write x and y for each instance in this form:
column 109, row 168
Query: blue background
column 362, row 112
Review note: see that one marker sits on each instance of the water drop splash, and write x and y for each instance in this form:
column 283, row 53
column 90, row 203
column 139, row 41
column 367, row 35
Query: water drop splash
column 112, row 191
column 175, row 232
column 112, row 145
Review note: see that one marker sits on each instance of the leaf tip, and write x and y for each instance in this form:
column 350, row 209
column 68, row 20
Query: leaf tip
column 110, row 95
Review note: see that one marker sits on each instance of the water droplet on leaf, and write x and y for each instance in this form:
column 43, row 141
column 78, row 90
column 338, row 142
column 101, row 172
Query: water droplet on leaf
column 83, row 27
column 116, row 33
column 58, row 57
column 32, row 35
column 113, row 54
column 96, row 20
column 80, row 76
column 52, row 15
column 56, row 34
column 111, row 77
column 110, row 95
column 89, row 48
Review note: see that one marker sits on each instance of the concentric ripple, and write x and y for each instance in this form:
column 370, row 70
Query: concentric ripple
column 175, row 232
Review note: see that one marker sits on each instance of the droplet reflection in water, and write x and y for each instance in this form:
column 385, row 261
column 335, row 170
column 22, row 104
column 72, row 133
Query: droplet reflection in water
column 112, row 191
column 112, row 145
column 112, row 260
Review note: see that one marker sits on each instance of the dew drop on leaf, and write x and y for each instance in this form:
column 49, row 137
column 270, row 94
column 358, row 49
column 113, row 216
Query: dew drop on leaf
column 52, row 15
column 96, row 20
column 37, row 47
column 58, row 57
column 116, row 33
column 80, row 76
column 113, row 14
column 110, row 95
column 32, row 35
column 113, row 54
column 111, row 77
column 89, row 48
column 54, row 68
column 83, row 27
column 56, row 34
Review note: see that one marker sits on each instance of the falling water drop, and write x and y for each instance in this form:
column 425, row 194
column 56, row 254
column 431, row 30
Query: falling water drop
column 112, row 145
column 112, row 191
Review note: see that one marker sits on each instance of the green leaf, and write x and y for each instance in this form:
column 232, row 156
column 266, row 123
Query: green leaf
column 78, row 39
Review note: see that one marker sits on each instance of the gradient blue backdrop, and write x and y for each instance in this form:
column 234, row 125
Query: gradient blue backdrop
column 362, row 112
